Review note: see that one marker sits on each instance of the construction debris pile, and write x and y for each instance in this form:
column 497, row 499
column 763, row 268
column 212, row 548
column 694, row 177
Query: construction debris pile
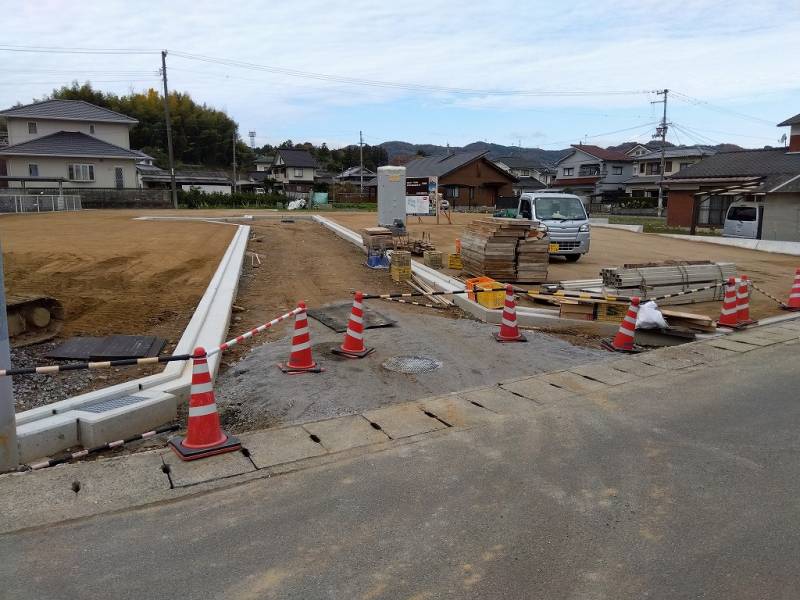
column 660, row 279
column 505, row 249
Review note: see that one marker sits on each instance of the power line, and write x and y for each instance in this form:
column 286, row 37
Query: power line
column 719, row 109
column 604, row 134
column 62, row 50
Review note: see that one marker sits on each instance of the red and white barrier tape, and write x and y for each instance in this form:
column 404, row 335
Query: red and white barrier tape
column 231, row 343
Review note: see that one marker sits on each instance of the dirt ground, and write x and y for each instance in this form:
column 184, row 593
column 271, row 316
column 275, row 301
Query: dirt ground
column 612, row 247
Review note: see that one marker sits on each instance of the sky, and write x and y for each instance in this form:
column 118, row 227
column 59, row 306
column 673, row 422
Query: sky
column 535, row 74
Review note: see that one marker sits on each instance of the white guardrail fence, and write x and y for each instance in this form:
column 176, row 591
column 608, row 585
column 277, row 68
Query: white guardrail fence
column 26, row 203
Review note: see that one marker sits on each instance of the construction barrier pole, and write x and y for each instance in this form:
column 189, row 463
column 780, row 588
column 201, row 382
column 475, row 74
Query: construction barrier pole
column 9, row 455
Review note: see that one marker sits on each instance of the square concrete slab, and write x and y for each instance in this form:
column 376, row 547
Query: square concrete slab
column 277, row 446
column 403, row 420
column 184, row 473
column 456, row 411
column 728, row 344
column 780, row 334
column 500, row 401
column 603, row 373
column 756, row 339
column 340, row 434
column 636, row 367
column 536, row 389
column 572, row 381
column 670, row 362
column 711, row 353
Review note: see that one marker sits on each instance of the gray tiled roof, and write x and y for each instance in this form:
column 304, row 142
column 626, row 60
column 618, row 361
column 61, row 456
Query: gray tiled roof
column 68, row 143
column 297, row 158
column 677, row 153
column 742, row 163
column 439, row 166
column 795, row 120
column 520, row 162
column 72, row 110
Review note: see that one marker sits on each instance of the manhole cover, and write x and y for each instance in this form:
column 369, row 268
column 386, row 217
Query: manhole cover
column 412, row 364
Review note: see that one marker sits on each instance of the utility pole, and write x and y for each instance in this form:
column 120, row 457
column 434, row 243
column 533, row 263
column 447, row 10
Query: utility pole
column 234, row 160
column 361, row 161
column 169, row 131
column 9, row 457
column 661, row 131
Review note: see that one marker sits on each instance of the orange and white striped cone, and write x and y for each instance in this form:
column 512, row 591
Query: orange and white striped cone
column 204, row 436
column 509, row 331
column 624, row 340
column 743, row 302
column 300, row 359
column 728, row 316
column 794, row 293
column 353, row 345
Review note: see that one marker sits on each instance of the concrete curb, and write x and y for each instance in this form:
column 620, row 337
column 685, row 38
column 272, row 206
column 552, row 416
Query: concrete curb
column 52, row 428
column 633, row 228
column 772, row 246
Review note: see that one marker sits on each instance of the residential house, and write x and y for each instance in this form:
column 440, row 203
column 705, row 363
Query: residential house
column 85, row 145
column 701, row 194
column 593, row 173
column 532, row 175
column 264, row 162
column 354, row 175
column 794, row 132
column 638, row 150
column 186, row 179
column 466, row 179
column 647, row 168
column 294, row 171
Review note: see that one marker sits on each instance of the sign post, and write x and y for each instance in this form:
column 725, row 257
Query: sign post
column 9, row 457
column 433, row 191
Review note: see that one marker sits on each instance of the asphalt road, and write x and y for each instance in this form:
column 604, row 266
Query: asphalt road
column 679, row 487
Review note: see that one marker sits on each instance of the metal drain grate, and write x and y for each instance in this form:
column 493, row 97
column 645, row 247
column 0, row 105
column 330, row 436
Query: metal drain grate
column 412, row 364
column 107, row 405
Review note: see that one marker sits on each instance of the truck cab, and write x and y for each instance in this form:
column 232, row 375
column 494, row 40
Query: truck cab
column 564, row 217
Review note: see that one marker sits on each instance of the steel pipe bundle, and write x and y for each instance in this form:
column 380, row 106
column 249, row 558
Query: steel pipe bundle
column 652, row 281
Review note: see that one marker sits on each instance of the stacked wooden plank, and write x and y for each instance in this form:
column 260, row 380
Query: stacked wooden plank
column 654, row 280
column 505, row 250
column 375, row 238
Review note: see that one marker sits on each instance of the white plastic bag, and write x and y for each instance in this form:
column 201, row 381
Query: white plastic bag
column 650, row 317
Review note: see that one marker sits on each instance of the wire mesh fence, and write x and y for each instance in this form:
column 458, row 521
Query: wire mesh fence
column 27, row 203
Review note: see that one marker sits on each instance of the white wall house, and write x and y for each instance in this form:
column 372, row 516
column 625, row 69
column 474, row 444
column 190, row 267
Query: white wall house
column 85, row 145
column 594, row 173
column 647, row 168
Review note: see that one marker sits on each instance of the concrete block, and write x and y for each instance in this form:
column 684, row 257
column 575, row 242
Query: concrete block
column 456, row 411
column 277, row 446
column 572, row 381
column 500, row 401
column 403, row 420
column 340, row 434
column 779, row 334
column 46, row 437
column 536, row 389
column 603, row 373
column 47, row 496
column 670, row 363
column 636, row 367
column 711, row 353
column 728, row 344
column 754, row 338
column 185, row 473
column 156, row 409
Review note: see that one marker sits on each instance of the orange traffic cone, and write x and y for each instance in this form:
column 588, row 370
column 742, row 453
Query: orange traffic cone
column 624, row 340
column 300, row 359
column 743, row 302
column 794, row 293
column 509, row 331
column 728, row 316
column 353, row 345
column 204, row 436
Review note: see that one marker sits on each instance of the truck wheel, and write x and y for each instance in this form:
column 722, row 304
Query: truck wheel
column 572, row 257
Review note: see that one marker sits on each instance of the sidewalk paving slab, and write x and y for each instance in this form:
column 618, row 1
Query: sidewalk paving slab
column 636, row 367
column 754, row 338
column 572, row 381
column 456, row 411
column 500, row 401
column 276, row 446
column 728, row 344
column 604, row 373
column 671, row 361
column 403, row 420
column 712, row 353
column 342, row 433
column 186, row 473
column 536, row 389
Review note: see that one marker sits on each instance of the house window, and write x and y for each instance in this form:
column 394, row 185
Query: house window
column 569, row 171
column 33, row 170
column 81, row 172
column 525, row 172
column 653, row 168
column 91, row 128
column 452, row 192
column 31, row 127
column 641, row 168
column 684, row 165
column 298, row 172
column 616, row 170
column 589, row 171
column 668, row 166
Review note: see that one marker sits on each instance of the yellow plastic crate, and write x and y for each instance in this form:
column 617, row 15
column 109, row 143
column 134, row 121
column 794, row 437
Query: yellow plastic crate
column 494, row 292
column 400, row 273
column 454, row 261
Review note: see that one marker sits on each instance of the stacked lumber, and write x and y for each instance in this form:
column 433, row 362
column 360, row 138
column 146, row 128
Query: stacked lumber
column 374, row 238
column 654, row 279
column 505, row 250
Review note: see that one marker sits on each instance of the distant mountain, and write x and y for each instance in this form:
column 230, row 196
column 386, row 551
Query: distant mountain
column 397, row 148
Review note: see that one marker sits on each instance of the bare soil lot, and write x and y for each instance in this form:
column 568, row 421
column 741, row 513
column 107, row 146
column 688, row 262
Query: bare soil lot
column 611, row 247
